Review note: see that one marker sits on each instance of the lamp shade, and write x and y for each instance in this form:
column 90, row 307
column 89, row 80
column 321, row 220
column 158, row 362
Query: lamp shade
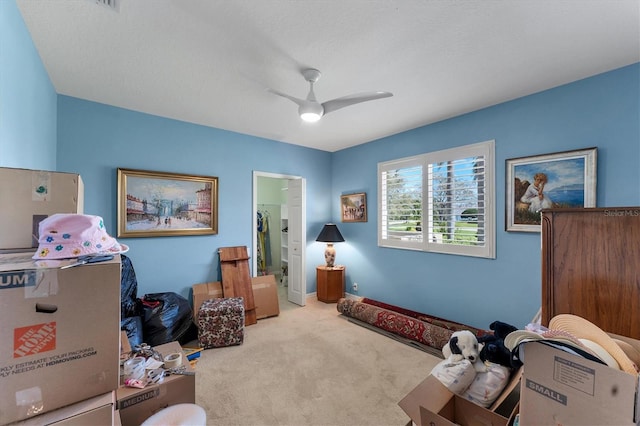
column 330, row 234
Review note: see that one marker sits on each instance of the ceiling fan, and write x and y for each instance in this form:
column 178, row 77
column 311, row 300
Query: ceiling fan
column 311, row 110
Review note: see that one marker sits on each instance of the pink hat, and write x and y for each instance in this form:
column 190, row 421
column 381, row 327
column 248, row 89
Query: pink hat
column 65, row 235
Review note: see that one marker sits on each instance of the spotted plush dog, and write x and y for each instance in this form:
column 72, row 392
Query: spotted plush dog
column 462, row 345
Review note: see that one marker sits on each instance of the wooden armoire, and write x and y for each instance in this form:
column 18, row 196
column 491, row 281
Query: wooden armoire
column 591, row 266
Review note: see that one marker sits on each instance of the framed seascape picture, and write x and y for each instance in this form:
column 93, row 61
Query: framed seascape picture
column 354, row 207
column 158, row 204
column 558, row 180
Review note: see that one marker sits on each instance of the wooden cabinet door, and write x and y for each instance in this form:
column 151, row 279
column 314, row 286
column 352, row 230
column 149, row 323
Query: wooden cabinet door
column 591, row 267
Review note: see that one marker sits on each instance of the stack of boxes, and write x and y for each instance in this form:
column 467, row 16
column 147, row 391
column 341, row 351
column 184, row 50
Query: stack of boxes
column 60, row 339
column 59, row 343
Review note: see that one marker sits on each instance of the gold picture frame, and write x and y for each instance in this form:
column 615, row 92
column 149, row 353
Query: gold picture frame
column 353, row 207
column 160, row 204
column 567, row 179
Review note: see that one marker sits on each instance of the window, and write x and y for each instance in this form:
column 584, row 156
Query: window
column 440, row 201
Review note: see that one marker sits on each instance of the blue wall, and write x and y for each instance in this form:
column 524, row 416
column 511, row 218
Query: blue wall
column 94, row 140
column 602, row 111
column 41, row 130
column 27, row 98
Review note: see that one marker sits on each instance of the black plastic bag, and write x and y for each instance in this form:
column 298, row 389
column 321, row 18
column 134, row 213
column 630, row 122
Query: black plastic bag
column 167, row 317
column 129, row 304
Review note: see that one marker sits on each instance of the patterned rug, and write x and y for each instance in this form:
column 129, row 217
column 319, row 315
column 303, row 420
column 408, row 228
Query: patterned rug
column 441, row 322
column 422, row 328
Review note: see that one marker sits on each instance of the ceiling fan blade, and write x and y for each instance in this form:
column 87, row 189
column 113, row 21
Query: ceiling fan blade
column 298, row 101
column 345, row 101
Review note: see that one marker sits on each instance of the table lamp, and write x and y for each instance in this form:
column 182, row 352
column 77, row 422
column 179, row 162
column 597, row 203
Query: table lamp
column 330, row 234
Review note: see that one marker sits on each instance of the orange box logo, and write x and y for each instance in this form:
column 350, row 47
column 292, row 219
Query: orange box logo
column 34, row 339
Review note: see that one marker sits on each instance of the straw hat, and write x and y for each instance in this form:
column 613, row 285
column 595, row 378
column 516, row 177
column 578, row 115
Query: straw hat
column 584, row 329
column 513, row 339
column 628, row 349
column 601, row 353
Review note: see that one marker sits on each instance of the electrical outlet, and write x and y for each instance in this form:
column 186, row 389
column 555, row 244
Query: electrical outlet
column 355, row 286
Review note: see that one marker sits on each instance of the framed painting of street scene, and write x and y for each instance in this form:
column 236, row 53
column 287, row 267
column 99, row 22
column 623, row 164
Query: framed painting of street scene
column 354, row 207
column 159, row 204
column 559, row 180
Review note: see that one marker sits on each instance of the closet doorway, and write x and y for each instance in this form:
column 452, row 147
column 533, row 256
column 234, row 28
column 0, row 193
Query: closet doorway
column 279, row 235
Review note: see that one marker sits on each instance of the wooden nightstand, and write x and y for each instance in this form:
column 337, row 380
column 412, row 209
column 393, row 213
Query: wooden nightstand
column 330, row 283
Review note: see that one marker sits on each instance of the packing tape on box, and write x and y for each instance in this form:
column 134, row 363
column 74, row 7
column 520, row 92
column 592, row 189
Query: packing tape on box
column 173, row 360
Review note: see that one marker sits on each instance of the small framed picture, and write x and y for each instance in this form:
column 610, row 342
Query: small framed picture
column 354, row 207
column 558, row 180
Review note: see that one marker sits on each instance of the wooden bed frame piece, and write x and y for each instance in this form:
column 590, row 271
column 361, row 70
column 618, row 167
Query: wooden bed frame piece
column 591, row 267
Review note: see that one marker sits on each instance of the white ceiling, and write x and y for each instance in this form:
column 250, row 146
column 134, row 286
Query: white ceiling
column 210, row 61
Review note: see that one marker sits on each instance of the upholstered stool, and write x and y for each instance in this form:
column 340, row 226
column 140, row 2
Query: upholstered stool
column 221, row 322
column 178, row 415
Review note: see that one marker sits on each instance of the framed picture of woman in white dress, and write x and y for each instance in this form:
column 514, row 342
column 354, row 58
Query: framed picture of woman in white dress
column 559, row 180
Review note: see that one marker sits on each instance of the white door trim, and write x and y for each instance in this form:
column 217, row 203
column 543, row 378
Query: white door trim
column 254, row 235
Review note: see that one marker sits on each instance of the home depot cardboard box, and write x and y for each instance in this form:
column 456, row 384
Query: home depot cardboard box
column 265, row 295
column 565, row 389
column 59, row 339
column 28, row 196
column 99, row 410
column 431, row 403
column 136, row 405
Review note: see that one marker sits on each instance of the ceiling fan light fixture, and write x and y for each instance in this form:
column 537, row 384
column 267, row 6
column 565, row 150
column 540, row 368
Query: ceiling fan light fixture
column 310, row 117
column 310, row 112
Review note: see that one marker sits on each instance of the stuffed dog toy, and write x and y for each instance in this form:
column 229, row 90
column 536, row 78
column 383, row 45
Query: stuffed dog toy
column 462, row 345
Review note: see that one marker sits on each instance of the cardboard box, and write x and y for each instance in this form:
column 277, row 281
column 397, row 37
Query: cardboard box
column 125, row 345
column 459, row 411
column 99, row 410
column 59, row 340
column 30, row 196
column 431, row 403
column 265, row 295
column 561, row 388
column 203, row 292
column 136, row 405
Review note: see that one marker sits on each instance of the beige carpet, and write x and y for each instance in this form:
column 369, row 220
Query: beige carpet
column 309, row 366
